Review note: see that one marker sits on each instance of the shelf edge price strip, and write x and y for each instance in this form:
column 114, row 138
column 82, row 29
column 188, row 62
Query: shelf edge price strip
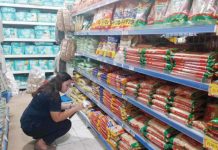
column 210, row 143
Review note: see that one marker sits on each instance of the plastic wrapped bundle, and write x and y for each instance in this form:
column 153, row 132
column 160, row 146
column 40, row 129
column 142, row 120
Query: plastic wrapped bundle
column 195, row 66
column 187, row 105
column 35, row 80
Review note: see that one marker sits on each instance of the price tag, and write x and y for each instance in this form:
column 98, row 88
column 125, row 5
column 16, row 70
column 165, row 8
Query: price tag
column 213, row 90
column 114, row 63
column 210, row 143
column 98, row 59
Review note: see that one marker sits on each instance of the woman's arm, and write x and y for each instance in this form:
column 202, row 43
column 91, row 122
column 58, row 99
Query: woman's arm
column 60, row 116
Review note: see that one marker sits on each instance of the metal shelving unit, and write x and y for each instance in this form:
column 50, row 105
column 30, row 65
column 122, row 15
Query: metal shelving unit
column 136, row 135
column 86, row 119
column 180, row 127
column 30, row 56
column 155, row 30
column 153, row 73
column 28, row 40
column 28, row 23
column 29, row 6
column 28, row 71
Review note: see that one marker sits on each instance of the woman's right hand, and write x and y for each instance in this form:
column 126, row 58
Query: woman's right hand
column 78, row 107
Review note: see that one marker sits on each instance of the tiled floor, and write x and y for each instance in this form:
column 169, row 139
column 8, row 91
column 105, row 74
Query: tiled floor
column 78, row 138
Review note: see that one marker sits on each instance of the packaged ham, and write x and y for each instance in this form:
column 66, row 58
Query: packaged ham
column 186, row 142
column 166, row 90
column 191, row 103
column 179, row 119
column 143, row 100
column 185, row 114
column 162, row 128
column 130, row 141
column 161, row 144
column 189, row 93
column 177, row 11
column 158, row 11
column 211, row 111
column 204, row 11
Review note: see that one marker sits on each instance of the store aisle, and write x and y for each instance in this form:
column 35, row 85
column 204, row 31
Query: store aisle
column 79, row 137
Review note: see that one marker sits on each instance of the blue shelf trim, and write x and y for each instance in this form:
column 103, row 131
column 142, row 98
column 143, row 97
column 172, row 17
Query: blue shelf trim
column 83, row 116
column 155, row 29
column 137, row 136
column 153, row 73
column 95, row 6
column 180, row 127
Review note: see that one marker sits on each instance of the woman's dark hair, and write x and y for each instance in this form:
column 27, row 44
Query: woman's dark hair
column 54, row 85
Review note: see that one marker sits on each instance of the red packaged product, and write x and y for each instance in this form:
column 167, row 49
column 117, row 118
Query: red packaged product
column 146, row 96
column 188, row 102
column 159, row 103
column 200, row 125
column 161, row 97
column 166, row 90
column 146, row 91
column 143, row 100
column 190, row 70
column 211, row 111
column 189, row 93
column 178, row 118
column 155, row 133
column 203, row 64
column 129, row 57
column 192, row 67
column 198, row 108
column 158, row 11
column 164, row 111
column 161, row 144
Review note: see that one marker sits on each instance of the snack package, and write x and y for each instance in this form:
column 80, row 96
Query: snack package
column 142, row 12
column 177, row 11
column 158, row 11
column 204, row 11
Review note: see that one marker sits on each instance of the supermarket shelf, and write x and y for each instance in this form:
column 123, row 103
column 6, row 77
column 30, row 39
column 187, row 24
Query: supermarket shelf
column 153, row 73
column 29, row 6
column 5, row 135
column 137, row 136
column 85, row 118
column 27, row 23
column 30, row 56
column 180, row 127
column 158, row 30
column 28, row 71
column 94, row 6
column 28, row 40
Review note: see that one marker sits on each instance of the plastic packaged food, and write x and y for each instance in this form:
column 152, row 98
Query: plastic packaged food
column 177, row 11
column 158, row 11
column 186, row 142
column 166, row 90
column 204, row 11
column 189, row 93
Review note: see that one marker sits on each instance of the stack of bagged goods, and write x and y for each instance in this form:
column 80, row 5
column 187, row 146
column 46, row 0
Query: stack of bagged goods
column 158, row 12
column 76, row 95
column 195, row 65
column 118, row 106
column 133, row 56
column 102, row 71
column 108, row 46
column 132, row 88
column 187, row 105
column 118, row 79
column 160, row 134
column 139, row 122
column 182, row 141
column 87, row 44
column 160, row 101
column 97, row 91
column 84, row 84
column 147, row 90
column 212, row 128
column 158, row 58
column 129, row 142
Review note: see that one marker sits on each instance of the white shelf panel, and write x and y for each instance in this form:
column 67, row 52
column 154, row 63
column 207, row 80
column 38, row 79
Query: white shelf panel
column 28, row 71
column 28, row 23
column 30, row 56
column 28, row 40
column 29, row 6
